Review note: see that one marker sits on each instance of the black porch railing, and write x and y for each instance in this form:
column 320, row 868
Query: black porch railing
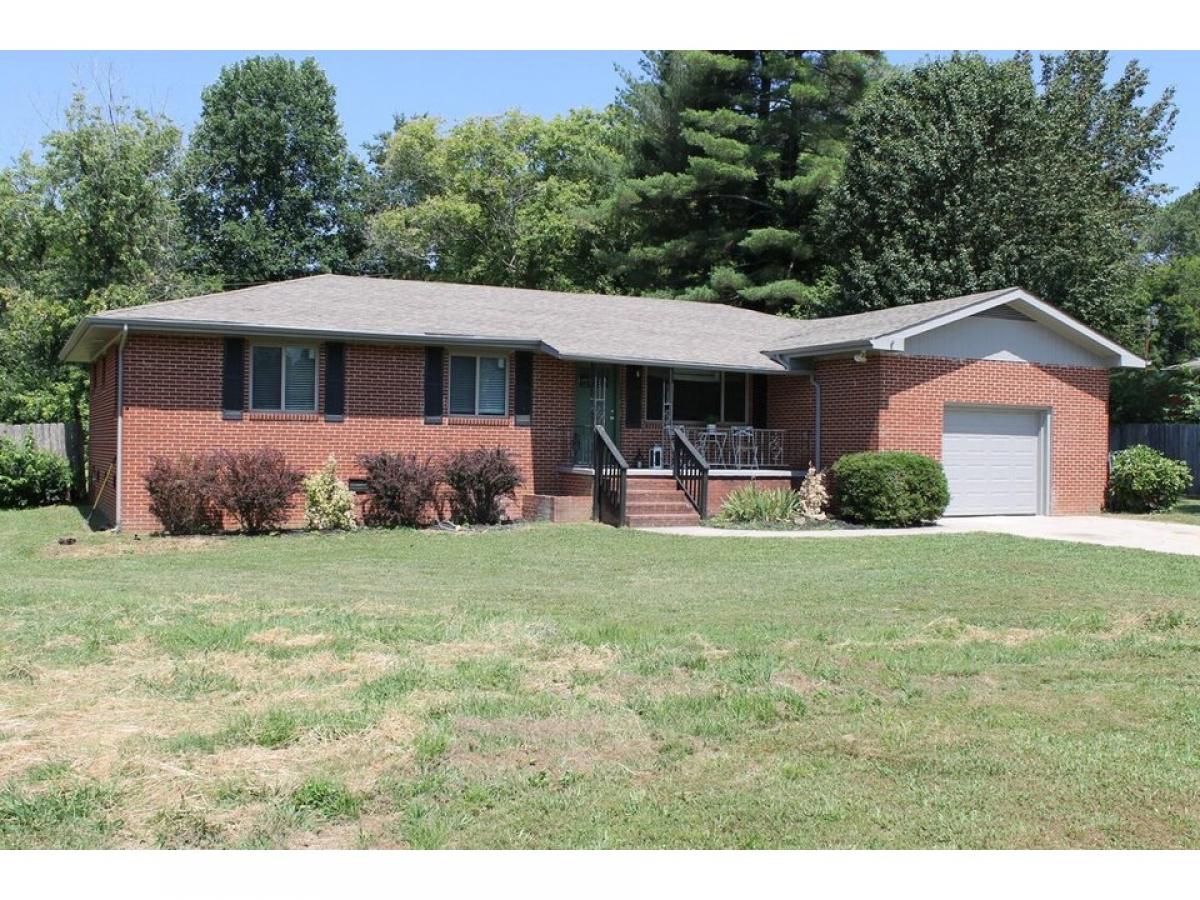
column 610, row 480
column 690, row 470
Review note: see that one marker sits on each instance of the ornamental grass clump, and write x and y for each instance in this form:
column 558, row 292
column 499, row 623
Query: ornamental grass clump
column 328, row 502
column 752, row 505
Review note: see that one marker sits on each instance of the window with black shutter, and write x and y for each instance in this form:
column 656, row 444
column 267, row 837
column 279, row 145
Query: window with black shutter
column 335, row 382
column 633, row 396
column 523, row 389
column 758, row 402
column 233, row 378
column 433, row 386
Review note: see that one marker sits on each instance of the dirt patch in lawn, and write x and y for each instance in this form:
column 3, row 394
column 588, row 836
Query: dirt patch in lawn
column 95, row 549
column 282, row 637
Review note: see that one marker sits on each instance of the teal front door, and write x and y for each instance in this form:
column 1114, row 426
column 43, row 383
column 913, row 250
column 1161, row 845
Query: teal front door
column 595, row 404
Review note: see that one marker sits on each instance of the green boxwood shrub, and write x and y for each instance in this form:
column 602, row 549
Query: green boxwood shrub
column 1143, row 480
column 30, row 476
column 891, row 488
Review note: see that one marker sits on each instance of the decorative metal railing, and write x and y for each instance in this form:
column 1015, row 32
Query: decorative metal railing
column 610, row 480
column 690, row 470
column 722, row 447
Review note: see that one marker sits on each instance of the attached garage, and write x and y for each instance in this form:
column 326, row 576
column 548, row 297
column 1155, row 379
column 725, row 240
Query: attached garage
column 995, row 459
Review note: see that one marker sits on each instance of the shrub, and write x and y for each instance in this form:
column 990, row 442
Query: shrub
column 328, row 502
column 892, row 488
column 750, row 504
column 1142, row 480
column 256, row 487
column 478, row 480
column 30, row 476
column 814, row 497
column 183, row 493
column 400, row 488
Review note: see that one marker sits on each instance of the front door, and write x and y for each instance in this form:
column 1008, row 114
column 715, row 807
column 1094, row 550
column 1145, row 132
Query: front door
column 595, row 403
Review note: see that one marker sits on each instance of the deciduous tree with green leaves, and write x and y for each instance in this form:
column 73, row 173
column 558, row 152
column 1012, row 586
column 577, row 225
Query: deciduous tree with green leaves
column 966, row 174
column 92, row 226
column 507, row 200
column 269, row 187
column 730, row 153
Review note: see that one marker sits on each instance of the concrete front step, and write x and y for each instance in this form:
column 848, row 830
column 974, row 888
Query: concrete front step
column 665, row 490
column 661, row 506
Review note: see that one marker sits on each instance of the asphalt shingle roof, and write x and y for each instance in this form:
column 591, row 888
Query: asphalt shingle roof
column 574, row 326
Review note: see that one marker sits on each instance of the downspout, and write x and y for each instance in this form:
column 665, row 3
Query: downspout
column 120, row 419
column 812, row 379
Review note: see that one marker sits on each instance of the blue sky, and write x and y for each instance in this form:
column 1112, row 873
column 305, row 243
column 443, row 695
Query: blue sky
column 35, row 86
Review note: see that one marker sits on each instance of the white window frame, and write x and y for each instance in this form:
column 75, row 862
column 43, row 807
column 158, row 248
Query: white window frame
column 450, row 357
column 284, row 345
column 670, row 392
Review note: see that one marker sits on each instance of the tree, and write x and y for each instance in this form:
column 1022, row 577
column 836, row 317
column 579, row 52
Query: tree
column 965, row 174
column 729, row 154
column 91, row 227
column 269, row 186
column 1175, row 232
column 506, row 200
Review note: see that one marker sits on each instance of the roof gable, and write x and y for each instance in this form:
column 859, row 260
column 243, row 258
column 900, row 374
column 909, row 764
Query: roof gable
column 889, row 329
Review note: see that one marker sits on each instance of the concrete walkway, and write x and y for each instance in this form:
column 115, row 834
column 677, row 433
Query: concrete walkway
column 1109, row 531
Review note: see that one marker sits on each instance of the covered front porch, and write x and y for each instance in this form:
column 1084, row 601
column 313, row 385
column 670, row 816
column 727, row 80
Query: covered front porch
column 733, row 419
column 658, row 446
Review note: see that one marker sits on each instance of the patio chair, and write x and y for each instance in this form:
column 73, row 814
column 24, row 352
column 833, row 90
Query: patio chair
column 743, row 448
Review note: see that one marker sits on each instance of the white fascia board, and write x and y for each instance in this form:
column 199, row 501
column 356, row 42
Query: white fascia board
column 1038, row 310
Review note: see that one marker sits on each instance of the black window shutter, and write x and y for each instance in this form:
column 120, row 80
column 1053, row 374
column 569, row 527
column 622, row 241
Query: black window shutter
column 433, row 385
column 335, row 382
column 523, row 395
column 633, row 396
column 759, row 400
column 233, row 378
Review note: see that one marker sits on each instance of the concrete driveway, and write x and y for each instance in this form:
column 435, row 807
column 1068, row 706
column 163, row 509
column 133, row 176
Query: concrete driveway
column 1109, row 531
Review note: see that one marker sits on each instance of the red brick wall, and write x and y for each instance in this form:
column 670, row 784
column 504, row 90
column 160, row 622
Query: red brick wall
column 897, row 403
column 918, row 388
column 173, row 405
column 102, row 435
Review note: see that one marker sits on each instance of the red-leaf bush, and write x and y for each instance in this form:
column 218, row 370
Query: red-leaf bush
column 478, row 481
column 256, row 487
column 183, row 493
column 401, row 488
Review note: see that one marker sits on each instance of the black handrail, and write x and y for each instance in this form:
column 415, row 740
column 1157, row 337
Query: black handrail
column 610, row 480
column 690, row 470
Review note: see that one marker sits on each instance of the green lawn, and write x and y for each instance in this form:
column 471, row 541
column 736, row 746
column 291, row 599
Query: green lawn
column 579, row 686
column 1186, row 511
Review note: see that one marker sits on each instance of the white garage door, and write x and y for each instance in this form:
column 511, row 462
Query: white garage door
column 991, row 459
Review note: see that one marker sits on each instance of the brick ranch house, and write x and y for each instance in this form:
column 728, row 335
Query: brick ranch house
column 692, row 399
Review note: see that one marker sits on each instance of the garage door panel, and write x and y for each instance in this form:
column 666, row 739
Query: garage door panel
column 991, row 460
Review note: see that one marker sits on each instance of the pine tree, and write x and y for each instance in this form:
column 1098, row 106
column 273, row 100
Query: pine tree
column 729, row 152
